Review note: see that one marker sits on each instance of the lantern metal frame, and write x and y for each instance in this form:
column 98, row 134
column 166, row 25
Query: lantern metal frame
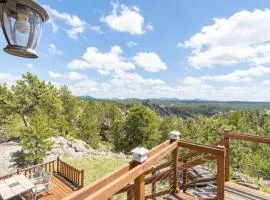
column 18, row 50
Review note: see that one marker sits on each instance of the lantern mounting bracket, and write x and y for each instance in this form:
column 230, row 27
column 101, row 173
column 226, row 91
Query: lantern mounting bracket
column 31, row 4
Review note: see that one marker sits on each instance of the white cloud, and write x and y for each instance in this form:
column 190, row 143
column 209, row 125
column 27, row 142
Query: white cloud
column 132, row 85
column 122, row 85
column 9, row 79
column 150, row 61
column 266, row 82
column 192, row 81
column 96, row 29
column 242, row 37
column 84, row 88
column 240, row 75
column 30, row 65
column 54, row 51
column 70, row 75
column 52, row 22
column 76, row 76
column 150, row 27
column 103, row 62
column 76, row 25
column 56, row 75
column 131, row 44
column 126, row 19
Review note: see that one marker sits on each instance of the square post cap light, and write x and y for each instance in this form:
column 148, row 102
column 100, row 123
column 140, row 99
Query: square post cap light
column 175, row 135
column 139, row 154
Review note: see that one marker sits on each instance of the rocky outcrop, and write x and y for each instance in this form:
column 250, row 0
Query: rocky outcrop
column 250, row 182
column 61, row 147
column 6, row 150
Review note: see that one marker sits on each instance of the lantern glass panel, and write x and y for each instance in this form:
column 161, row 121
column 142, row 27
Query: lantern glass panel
column 22, row 26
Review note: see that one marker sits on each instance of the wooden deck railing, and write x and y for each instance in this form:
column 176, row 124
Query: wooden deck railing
column 55, row 166
column 76, row 176
column 49, row 166
column 141, row 181
column 244, row 137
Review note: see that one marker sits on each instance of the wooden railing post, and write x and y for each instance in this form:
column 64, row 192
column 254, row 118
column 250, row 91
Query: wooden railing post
column 139, row 156
column 221, row 160
column 174, row 137
column 58, row 164
column 82, row 178
column 139, row 187
column 227, row 160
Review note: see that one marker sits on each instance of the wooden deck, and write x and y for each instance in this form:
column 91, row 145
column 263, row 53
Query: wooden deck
column 233, row 191
column 60, row 189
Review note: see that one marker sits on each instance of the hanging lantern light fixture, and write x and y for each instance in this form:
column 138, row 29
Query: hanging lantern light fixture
column 21, row 22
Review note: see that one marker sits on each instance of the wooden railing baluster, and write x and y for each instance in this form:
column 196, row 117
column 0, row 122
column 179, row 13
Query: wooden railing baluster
column 154, row 185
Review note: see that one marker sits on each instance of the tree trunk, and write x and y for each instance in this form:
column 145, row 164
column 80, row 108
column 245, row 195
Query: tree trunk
column 25, row 121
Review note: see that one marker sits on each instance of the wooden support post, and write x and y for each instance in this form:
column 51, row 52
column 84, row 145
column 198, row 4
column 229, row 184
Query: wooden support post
column 175, row 169
column 221, row 177
column 227, row 160
column 18, row 171
column 184, row 177
column 139, row 187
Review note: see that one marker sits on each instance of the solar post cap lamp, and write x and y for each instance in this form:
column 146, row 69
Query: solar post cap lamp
column 175, row 135
column 139, row 154
column 21, row 22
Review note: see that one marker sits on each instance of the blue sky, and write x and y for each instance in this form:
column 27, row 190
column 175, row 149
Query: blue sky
column 188, row 49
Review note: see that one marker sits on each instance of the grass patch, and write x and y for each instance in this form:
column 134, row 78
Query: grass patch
column 96, row 166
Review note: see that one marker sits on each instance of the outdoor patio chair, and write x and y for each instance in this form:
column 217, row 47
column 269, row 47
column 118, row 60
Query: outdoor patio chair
column 43, row 186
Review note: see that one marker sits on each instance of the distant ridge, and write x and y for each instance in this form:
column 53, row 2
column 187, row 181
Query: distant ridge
column 176, row 101
column 86, row 97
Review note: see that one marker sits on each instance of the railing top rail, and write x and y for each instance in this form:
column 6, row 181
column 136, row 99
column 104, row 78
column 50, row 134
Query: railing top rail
column 202, row 148
column 248, row 137
column 73, row 168
column 38, row 165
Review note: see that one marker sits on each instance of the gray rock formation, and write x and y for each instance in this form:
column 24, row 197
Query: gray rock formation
column 61, row 147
